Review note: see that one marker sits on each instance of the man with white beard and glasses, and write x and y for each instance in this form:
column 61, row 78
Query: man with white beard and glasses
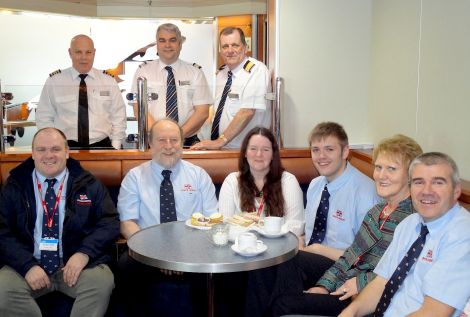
column 140, row 205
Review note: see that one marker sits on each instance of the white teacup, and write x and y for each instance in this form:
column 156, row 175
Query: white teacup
column 272, row 225
column 248, row 242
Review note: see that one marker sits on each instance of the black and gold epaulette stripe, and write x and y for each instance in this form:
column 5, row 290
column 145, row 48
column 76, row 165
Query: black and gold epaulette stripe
column 248, row 66
column 108, row 73
column 197, row 66
column 143, row 64
column 55, row 73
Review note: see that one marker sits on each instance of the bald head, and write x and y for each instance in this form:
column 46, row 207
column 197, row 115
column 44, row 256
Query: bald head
column 82, row 53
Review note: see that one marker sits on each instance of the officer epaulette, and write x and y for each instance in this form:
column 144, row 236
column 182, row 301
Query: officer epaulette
column 108, row 73
column 143, row 64
column 55, row 73
column 197, row 66
column 248, row 66
column 220, row 68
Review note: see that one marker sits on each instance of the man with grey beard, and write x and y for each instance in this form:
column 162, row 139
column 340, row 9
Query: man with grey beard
column 142, row 202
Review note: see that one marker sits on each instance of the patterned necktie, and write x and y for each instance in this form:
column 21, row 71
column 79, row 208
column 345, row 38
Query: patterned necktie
column 401, row 272
column 171, row 97
column 167, row 199
column 50, row 259
column 83, row 137
column 319, row 228
column 218, row 114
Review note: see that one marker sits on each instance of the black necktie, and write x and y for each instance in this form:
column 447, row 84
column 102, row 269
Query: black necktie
column 319, row 228
column 171, row 97
column 50, row 260
column 83, row 137
column 167, row 199
column 218, row 114
column 401, row 272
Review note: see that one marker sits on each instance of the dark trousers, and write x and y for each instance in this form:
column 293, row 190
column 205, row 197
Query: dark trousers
column 230, row 293
column 269, row 288
column 297, row 276
column 103, row 144
column 142, row 290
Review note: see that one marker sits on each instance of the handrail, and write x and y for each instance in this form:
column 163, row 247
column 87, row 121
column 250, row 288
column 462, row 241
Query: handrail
column 277, row 110
column 142, row 104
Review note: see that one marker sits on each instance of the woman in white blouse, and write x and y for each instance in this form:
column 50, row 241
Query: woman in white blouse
column 262, row 185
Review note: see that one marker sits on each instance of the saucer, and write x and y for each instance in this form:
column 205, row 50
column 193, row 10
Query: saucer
column 281, row 233
column 260, row 249
column 189, row 224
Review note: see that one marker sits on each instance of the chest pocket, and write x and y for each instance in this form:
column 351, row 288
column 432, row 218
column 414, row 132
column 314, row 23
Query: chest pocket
column 185, row 95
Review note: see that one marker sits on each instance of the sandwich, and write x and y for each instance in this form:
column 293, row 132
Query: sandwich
column 216, row 218
column 198, row 219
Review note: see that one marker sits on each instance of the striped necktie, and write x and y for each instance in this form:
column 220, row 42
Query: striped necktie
column 220, row 108
column 171, row 97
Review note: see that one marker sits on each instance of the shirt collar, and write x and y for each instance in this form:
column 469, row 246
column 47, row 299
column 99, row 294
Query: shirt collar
column 239, row 67
column 42, row 178
column 338, row 182
column 174, row 65
column 437, row 224
column 75, row 73
column 157, row 168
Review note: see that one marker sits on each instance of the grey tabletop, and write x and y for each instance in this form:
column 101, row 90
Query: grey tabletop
column 175, row 246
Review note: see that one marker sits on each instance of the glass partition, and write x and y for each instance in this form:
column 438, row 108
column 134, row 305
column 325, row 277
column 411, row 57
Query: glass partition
column 39, row 46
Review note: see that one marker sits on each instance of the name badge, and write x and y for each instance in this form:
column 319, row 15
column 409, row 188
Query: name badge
column 233, row 96
column 48, row 244
column 184, row 82
column 105, row 93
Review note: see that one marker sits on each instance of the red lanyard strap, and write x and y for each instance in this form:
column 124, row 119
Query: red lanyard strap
column 261, row 205
column 50, row 217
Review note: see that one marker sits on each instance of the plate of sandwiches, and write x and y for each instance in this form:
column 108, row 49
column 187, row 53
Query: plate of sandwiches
column 201, row 222
column 245, row 219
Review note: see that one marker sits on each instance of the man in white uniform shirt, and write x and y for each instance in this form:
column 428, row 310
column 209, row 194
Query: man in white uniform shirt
column 60, row 103
column 242, row 84
column 193, row 96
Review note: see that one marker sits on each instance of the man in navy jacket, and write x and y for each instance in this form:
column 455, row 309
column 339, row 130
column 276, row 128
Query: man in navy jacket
column 35, row 259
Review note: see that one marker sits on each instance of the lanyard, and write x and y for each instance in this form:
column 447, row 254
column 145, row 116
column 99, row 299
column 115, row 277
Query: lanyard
column 50, row 217
column 383, row 217
column 261, row 205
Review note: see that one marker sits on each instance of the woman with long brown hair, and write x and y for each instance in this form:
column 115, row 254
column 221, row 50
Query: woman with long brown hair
column 262, row 185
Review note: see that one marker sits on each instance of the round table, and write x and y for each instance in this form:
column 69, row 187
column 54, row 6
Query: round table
column 175, row 246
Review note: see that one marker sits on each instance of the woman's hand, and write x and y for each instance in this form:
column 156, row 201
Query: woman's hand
column 317, row 290
column 348, row 289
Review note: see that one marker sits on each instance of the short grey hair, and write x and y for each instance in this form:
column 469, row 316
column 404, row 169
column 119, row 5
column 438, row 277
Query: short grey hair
column 434, row 158
column 171, row 28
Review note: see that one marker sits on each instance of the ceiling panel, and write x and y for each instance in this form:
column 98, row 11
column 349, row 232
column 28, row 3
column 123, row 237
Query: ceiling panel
column 159, row 3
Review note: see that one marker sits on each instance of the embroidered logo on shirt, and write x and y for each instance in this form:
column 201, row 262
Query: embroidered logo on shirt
column 338, row 215
column 105, row 93
column 83, row 200
column 427, row 257
column 188, row 188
